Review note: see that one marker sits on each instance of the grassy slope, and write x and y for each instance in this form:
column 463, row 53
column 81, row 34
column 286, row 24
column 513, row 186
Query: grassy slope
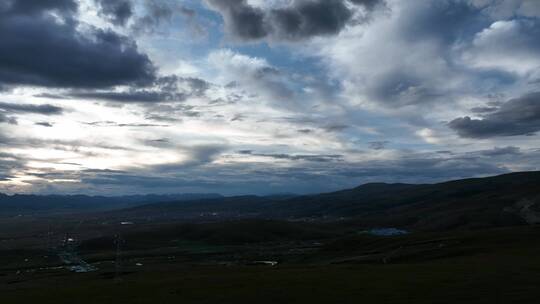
column 467, row 280
column 453, row 266
column 499, row 266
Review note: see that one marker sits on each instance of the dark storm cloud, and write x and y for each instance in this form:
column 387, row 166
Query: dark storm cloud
column 140, row 181
column 115, row 124
column 78, row 146
column 196, row 156
column 238, row 117
column 520, row 116
column 7, row 119
column 45, row 109
column 274, row 81
column 337, row 127
column 419, row 169
column 204, row 154
column 162, row 118
column 401, row 87
column 198, row 86
column 301, row 20
column 241, row 19
column 172, row 112
column 164, row 89
column 309, row 125
column 322, row 158
column 8, row 164
column 44, row 124
column 367, row 3
column 49, row 95
column 261, row 178
column 378, row 145
column 118, row 11
column 32, row 7
column 482, row 110
column 510, row 150
column 67, row 57
column 412, row 168
column 131, row 96
column 159, row 142
column 310, row 18
column 145, row 181
column 4, row 140
column 21, row 108
column 305, row 131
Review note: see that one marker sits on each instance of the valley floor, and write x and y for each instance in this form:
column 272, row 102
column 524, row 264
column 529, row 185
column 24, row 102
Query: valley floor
column 502, row 266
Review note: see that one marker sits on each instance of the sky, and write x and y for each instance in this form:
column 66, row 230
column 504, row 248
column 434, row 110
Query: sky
column 119, row 97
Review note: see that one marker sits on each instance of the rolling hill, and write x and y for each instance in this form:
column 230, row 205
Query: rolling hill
column 27, row 204
column 505, row 200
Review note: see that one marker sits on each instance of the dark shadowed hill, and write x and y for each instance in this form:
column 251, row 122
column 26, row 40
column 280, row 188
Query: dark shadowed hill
column 22, row 204
column 505, row 200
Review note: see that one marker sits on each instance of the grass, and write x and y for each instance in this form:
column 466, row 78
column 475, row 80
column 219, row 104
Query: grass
column 501, row 266
column 471, row 280
column 481, row 266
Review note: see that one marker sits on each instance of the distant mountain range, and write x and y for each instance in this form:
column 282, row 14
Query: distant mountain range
column 505, row 200
column 27, row 204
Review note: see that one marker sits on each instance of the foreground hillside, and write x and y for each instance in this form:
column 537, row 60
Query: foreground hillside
column 466, row 241
column 484, row 266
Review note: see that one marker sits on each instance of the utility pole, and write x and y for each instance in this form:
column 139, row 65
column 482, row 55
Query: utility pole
column 48, row 244
column 118, row 260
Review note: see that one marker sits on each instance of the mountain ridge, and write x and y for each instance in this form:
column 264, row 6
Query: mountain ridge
column 475, row 202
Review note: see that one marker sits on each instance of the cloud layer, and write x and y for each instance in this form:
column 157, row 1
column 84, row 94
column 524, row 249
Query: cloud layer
column 300, row 20
column 252, row 96
column 68, row 57
column 520, row 116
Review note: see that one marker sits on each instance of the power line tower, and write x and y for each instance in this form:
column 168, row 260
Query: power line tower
column 118, row 241
column 48, row 246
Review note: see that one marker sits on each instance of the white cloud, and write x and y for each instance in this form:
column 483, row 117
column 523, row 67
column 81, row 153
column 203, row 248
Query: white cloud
column 508, row 45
